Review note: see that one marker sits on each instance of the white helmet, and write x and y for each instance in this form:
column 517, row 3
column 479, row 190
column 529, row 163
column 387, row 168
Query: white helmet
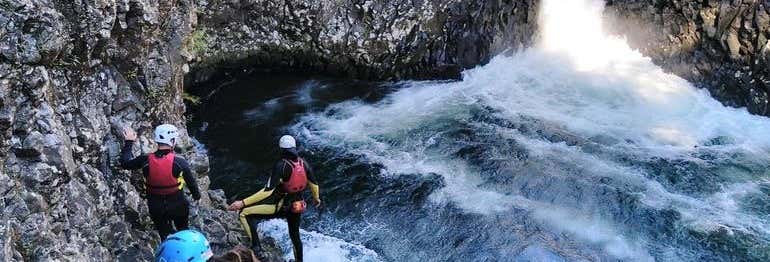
column 287, row 142
column 166, row 134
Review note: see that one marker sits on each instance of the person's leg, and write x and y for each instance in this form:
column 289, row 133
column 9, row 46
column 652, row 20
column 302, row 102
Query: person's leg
column 162, row 225
column 293, row 221
column 253, row 222
column 251, row 215
column 181, row 213
column 159, row 218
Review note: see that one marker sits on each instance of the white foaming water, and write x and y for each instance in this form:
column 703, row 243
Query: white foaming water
column 318, row 247
column 594, row 231
column 264, row 111
column 619, row 89
column 304, row 95
column 584, row 82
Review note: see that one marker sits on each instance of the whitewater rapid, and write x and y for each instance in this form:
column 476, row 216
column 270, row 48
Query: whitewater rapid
column 318, row 247
column 582, row 134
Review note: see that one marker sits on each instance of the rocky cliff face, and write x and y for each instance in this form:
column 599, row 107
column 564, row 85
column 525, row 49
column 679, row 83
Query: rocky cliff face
column 71, row 74
column 372, row 39
column 719, row 45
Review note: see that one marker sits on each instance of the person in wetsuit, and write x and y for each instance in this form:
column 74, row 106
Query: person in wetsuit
column 281, row 197
column 165, row 176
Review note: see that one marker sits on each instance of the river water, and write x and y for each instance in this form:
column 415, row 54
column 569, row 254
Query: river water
column 577, row 149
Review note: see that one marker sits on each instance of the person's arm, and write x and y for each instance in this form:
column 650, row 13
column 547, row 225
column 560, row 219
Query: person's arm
column 126, row 162
column 182, row 168
column 129, row 136
column 315, row 191
column 270, row 186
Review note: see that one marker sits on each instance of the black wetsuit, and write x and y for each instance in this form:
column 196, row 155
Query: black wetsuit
column 272, row 202
column 165, row 209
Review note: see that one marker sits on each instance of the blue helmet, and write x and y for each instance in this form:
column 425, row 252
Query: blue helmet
column 185, row 245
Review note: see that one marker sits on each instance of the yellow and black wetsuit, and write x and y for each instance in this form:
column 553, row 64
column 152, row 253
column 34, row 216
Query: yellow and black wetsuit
column 270, row 202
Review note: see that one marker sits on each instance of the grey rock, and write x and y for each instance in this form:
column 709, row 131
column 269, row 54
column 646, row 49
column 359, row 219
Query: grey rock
column 35, row 202
column 32, row 146
column 766, row 53
column 6, row 241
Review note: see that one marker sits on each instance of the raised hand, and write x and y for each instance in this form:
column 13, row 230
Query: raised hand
column 129, row 134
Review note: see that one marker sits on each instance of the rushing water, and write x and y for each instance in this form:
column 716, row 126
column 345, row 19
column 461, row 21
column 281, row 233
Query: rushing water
column 576, row 149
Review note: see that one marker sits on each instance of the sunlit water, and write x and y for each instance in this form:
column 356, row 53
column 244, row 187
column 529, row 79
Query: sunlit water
column 579, row 148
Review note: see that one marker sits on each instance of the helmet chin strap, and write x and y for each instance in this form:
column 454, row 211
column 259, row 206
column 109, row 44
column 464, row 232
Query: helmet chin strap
column 166, row 146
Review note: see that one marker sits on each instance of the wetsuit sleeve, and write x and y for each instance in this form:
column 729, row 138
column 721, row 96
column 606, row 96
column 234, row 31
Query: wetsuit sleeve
column 256, row 197
column 311, row 181
column 270, row 186
column 126, row 162
column 183, row 168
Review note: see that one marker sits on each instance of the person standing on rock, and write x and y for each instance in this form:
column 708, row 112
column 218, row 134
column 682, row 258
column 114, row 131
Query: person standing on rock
column 165, row 176
column 281, row 197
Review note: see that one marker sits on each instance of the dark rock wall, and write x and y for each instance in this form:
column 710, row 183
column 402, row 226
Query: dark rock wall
column 719, row 45
column 372, row 39
column 72, row 73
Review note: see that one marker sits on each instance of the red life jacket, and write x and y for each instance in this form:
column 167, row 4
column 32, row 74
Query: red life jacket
column 298, row 179
column 161, row 180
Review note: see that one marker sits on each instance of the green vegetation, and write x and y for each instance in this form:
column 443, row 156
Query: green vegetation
column 156, row 95
column 132, row 73
column 199, row 41
column 192, row 99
